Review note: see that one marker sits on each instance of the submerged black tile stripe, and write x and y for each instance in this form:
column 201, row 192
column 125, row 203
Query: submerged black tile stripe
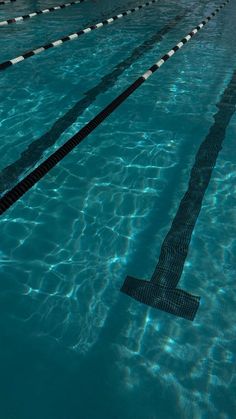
column 40, row 12
column 34, row 152
column 72, row 36
column 39, row 172
column 161, row 292
column 183, row 41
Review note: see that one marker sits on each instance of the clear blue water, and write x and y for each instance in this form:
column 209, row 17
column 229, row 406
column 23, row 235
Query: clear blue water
column 71, row 345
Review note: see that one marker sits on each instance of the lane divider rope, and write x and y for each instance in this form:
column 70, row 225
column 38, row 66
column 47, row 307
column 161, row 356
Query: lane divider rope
column 12, row 196
column 34, row 151
column 6, row 2
column 72, row 36
column 39, row 12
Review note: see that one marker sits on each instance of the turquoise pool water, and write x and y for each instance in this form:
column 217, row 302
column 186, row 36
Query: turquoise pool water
column 71, row 345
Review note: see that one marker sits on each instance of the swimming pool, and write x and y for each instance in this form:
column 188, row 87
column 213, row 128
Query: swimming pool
column 72, row 345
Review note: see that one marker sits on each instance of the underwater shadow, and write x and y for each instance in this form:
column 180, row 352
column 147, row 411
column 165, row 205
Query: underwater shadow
column 34, row 152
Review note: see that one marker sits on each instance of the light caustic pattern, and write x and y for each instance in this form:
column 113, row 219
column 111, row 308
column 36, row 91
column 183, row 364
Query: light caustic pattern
column 63, row 261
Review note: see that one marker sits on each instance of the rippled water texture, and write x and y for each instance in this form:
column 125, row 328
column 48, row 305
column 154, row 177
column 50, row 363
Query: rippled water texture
column 71, row 345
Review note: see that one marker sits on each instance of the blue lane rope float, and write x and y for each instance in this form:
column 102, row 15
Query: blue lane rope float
column 12, row 196
column 161, row 292
column 6, row 2
column 39, row 12
column 72, row 36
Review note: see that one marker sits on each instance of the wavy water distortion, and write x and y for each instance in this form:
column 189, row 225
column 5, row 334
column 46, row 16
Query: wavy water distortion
column 34, row 152
column 161, row 292
column 39, row 12
column 72, row 36
column 40, row 171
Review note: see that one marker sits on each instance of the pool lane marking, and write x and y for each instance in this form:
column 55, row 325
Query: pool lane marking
column 161, row 291
column 34, row 151
column 39, row 12
column 72, row 36
column 12, row 196
column 6, row 2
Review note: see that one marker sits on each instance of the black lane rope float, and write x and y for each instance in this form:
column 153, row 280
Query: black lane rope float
column 12, row 196
column 72, row 36
column 6, row 2
column 39, row 12
column 161, row 292
column 33, row 153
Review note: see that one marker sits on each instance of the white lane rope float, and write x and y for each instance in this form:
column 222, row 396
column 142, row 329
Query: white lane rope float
column 72, row 36
column 39, row 12
column 13, row 195
column 6, row 2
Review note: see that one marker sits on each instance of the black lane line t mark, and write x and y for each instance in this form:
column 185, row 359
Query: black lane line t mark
column 161, row 292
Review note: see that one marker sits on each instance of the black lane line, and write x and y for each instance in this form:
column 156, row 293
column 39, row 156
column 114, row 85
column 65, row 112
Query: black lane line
column 39, row 172
column 161, row 292
column 36, row 149
column 55, row 8
column 71, row 37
